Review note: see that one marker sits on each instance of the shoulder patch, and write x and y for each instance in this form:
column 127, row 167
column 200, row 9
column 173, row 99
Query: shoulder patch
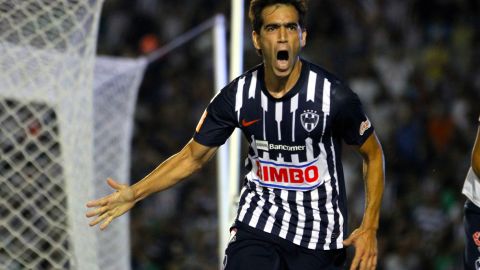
column 364, row 126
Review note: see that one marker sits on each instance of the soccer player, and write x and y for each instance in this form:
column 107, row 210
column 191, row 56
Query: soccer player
column 471, row 221
column 292, row 211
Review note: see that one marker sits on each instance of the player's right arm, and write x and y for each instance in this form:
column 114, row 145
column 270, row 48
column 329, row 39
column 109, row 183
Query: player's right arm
column 476, row 153
column 213, row 129
column 179, row 166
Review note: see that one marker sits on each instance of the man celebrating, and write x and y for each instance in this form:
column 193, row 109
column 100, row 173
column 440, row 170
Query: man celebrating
column 292, row 211
column 471, row 189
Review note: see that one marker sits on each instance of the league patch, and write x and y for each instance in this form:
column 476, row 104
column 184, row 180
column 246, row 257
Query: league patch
column 476, row 238
column 364, row 126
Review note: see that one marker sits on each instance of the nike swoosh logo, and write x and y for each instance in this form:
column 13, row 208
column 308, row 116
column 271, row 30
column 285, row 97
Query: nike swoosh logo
column 249, row 123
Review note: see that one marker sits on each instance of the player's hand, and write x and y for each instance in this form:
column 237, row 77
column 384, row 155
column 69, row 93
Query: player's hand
column 365, row 243
column 111, row 206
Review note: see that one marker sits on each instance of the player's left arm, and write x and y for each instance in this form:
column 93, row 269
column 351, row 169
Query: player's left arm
column 365, row 237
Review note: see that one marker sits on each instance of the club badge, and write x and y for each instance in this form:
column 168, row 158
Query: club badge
column 309, row 120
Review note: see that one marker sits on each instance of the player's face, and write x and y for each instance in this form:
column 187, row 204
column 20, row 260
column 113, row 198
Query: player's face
column 280, row 38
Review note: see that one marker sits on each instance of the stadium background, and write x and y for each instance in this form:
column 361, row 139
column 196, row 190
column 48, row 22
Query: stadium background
column 415, row 65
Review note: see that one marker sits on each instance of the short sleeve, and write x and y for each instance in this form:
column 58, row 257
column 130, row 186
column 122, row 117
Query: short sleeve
column 218, row 121
column 349, row 120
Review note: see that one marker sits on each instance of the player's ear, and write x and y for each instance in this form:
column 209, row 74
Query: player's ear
column 256, row 40
column 303, row 39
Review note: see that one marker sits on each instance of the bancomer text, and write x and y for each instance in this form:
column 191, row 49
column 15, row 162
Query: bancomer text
column 286, row 147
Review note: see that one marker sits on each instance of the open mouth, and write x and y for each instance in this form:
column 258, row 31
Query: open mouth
column 282, row 55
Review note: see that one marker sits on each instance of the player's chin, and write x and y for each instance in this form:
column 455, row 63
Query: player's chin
column 282, row 72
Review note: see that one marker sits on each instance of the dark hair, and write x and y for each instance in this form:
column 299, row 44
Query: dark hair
column 257, row 6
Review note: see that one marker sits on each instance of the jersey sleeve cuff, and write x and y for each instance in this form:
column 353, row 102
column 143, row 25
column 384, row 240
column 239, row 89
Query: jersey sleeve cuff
column 365, row 136
column 205, row 142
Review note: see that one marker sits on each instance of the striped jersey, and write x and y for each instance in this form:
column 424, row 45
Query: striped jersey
column 294, row 186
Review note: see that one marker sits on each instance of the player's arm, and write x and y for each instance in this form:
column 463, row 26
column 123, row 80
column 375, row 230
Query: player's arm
column 364, row 238
column 215, row 126
column 476, row 154
column 373, row 174
column 179, row 166
column 176, row 168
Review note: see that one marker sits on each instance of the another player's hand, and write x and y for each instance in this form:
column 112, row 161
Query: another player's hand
column 111, row 206
column 365, row 243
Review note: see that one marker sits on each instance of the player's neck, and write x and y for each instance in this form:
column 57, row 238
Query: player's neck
column 280, row 86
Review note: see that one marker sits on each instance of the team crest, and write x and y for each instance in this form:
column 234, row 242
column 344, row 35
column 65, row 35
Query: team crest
column 309, row 120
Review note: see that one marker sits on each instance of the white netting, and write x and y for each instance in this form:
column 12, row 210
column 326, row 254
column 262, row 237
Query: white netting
column 115, row 91
column 47, row 135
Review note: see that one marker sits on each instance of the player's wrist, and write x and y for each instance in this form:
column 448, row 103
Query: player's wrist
column 138, row 193
column 370, row 229
column 365, row 227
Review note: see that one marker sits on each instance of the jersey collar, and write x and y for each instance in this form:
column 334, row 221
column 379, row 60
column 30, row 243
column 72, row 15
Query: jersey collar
column 295, row 89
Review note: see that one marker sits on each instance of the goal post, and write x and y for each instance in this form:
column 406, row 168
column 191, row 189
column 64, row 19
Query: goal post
column 225, row 202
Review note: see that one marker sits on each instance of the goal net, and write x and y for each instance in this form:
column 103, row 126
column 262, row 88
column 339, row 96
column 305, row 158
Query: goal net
column 62, row 132
column 115, row 91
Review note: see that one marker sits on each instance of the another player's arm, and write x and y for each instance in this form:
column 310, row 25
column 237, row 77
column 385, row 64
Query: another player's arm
column 176, row 168
column 364, row 238
column 476, row 154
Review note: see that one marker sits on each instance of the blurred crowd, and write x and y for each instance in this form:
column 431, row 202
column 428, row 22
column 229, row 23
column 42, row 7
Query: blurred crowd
column 416, row 67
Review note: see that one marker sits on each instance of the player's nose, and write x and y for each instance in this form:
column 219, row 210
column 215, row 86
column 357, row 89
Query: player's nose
column 282, row 34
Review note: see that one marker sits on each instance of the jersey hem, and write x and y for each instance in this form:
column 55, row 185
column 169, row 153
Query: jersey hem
column 275, row 238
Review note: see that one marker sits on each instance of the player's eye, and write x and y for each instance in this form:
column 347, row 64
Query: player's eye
column 270, row 28
column 292, row 27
